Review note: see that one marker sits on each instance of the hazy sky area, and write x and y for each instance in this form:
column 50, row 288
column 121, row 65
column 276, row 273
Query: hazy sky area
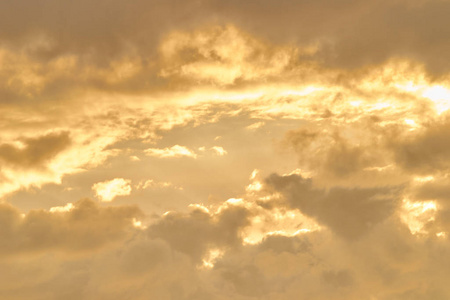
column 224, row 150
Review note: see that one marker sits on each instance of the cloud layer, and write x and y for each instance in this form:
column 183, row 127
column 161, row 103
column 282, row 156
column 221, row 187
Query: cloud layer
column 128, row 132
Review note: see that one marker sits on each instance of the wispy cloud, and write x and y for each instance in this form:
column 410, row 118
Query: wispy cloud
column 174, row 151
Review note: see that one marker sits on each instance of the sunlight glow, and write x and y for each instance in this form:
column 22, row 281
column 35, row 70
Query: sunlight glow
column 278, row 222
column 200, row 207
column 254, row 186
column 306, row 91
column 417, row 214
column 254, row 173
column 138, row 224
column 174, row 151
column 219, row 150
column 106, row 191
column 424, row 179
column 441, row 234
column 65, row 208
column 211, row 258
column 440, row 96
column 411, row 123
column 235, row 201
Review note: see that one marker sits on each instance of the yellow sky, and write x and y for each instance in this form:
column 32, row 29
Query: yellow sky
column 196, row 150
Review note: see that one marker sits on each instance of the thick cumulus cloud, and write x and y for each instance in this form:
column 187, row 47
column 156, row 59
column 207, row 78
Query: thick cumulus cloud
column 348, row 212
column 353, row 33
column 90, row 252
column 348, row 33
column 373, row 144
column 102, row 27
column 139, row 47
column 426, row 151
column 197, row 232
column 140, row 269
column 84, row 227
column 341, row 158
column 355, row 152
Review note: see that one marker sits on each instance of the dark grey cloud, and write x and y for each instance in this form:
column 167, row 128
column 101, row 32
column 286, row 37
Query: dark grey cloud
column 373, row 144
column 355, row 32
column 349, row 212
column 329, row 152
column 426, row 151
column 36, row 151
column 196, row 233
column 103, row 28
column 98, row 36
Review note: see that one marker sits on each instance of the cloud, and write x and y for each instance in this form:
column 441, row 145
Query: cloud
column 369, row 145
column 349, row 212
column 83, row 226
column 153, row 184
column 219, row 150
column 219, row 45
column 174, row 151
column 222, row 55
column 334, row 151
column 425, row 151
column 428, row 206
column 255, row 126
column 410, row 27
column 99, row 266
column 199, row 231
column 354, row 89
column 115, row 273
column 34, row 152
column 107, row 30
column 110, row 189
column 91, row 251
column 68, row 207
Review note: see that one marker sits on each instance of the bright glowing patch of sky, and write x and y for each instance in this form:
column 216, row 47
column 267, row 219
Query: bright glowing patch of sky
column 106, row 191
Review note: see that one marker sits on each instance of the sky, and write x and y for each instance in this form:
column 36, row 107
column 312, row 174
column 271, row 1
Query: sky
column 215, row 150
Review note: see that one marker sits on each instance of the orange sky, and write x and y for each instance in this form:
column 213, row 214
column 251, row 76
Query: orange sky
column 206, row 149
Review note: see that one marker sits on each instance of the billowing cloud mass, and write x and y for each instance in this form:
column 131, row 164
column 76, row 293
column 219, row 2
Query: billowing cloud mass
column 208, row 149
column 348, row 212
column 84, row 226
